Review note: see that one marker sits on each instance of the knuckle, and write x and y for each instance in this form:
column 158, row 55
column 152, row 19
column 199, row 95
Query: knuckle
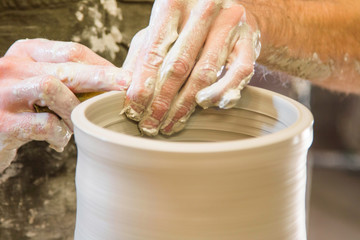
column 6, row 64
column 49, row 85
column 76, row 51
column 19, row 43
column 177, row 4
column 153, row 58
column 140, row 34
column 11, row 66
column 179, row 68
column 211, row 6
column 160, row 106
column 239, row 10
column 246, row 70
column 17, row 47
column 206, row 74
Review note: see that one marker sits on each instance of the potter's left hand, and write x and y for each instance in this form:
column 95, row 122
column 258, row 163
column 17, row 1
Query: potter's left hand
column 47, row 73
column 180, row 58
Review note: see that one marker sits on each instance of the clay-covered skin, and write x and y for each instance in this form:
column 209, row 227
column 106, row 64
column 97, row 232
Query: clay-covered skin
column 188, row 43
column 314, row 40
column 47, row 73
column 184, row 50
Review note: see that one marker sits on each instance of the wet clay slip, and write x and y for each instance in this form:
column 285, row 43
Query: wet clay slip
column 235, row 174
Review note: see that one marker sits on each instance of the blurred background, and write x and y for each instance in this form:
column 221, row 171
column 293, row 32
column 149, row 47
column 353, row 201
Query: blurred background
column 37, row 193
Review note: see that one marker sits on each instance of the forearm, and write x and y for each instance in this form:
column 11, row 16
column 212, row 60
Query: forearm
column 315, row 40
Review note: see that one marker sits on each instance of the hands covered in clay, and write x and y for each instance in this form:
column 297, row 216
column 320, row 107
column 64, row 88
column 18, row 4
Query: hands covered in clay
column 193, row 52
column 46, row 73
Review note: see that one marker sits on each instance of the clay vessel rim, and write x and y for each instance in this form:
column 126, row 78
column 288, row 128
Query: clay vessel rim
column 290, row 135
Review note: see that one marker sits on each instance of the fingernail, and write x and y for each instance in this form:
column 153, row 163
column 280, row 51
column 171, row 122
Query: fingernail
column 204, row 98
column 64, row 134
column 172, row 128
column 131, row 113
column 229, row 99
column 133, row 110
column 232, row 96
column 167, row 128
column 149, row 126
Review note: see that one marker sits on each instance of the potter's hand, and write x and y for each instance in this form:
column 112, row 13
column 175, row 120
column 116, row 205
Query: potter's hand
column 185, row 47
column 46, row 73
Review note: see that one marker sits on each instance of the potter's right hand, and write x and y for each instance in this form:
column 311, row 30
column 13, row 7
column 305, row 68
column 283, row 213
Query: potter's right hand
column 46, row 73
column 180, row 58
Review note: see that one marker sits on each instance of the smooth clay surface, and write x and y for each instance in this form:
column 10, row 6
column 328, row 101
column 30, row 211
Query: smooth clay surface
column 231, row 174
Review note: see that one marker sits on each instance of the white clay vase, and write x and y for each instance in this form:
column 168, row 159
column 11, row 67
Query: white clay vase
column 236, row 174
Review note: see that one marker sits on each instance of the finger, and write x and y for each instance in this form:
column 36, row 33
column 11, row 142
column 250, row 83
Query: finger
column 87, row 78
column 78, row 77
column 134, row 50
column 130, row 61
column 162, row 32
column 226, row 91
column 43, row 50
column 43, row 91
column 26, row 126
column 219, row 43
column 178, row 64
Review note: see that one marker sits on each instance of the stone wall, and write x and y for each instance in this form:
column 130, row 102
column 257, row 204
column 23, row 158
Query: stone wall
column 106, row 27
